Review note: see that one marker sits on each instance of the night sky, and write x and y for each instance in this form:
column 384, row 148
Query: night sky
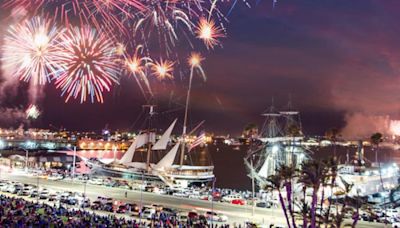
column 338, row 60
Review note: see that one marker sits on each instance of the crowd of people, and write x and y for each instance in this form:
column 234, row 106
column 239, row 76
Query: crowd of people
column 17, row 212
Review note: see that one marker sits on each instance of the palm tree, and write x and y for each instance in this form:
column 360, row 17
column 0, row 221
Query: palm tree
column 332, row 166
column 312, row 172
column 339, row 217
column 275, row 182
column 288, row 173
column 376, row 139
column 332, row 134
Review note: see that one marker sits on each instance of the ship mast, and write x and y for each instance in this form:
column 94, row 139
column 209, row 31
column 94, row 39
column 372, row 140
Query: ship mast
column 151, row 114
column 183, row 145
column 194, row 62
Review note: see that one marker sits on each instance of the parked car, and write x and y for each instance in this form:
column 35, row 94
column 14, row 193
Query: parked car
column 52, row 197
column 96, row 205
column 148, row 213
column 108, row 207
column 214, row 216
column 238, row 202
column 122, row 209
column 193, row 215
column 55, row 177
column 230, row 198
column 182, row 217
column 264, row 204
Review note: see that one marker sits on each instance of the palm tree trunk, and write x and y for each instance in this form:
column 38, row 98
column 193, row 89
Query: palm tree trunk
column 322, row 203
column 380, row 178
column 313, row 207
column 334, row 148
column 284, row 208
column 357, row 215
column 305, row 219
column 289, row 192
column 330, row 203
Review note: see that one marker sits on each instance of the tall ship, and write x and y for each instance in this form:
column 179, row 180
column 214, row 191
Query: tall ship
column 166, row 160
column 279, row 143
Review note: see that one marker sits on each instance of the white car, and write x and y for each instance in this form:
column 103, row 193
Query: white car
column 214, row 216
column 392, row 212
column 182, row 217
column 95, row 181
column 230, row 198
column 148, row 213
column 55, row 177
column 180, row 194
column 396, row 225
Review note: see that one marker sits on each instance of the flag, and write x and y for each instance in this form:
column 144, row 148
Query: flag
column 201, row 138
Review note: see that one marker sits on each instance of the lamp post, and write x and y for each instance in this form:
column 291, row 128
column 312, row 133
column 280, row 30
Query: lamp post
column 26, row 159
column 73, row 164
column 212, row 201
column 84, row 191
column 252, row 188
column 141, row 200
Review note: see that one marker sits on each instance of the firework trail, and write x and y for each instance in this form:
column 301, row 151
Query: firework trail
column 109, row 15
column 91, row 65
column 137, row 65
column 30, row 51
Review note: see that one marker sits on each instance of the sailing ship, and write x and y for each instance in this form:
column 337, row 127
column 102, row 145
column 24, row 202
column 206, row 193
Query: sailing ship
column 165, row 170
column 279, row 143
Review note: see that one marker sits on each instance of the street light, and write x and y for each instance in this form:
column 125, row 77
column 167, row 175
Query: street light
column 252, row 187
column 26, row 159
column 212, row 200
column 141, row 200
column 73, row 164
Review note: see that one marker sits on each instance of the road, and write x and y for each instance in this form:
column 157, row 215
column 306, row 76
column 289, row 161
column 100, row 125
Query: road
column 236, row 213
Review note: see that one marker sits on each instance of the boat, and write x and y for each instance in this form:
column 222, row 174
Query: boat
column 367, row 177
column 165, row 170
column 276, row 145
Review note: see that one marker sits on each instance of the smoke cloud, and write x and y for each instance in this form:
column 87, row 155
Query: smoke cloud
column 360, row 125
column 12, row 117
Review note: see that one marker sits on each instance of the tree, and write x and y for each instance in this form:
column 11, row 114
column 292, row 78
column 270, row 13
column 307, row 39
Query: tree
column 332, row 165
column 376, row 139
column 332, row 134
column 288, row 173
column 312, row 174
column 250, row 130
column 275, row 182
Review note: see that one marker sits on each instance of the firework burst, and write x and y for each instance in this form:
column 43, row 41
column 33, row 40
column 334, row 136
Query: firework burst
column 137, row 66
column 209, row 32
column 91, row 65
column 163, row 69
column 30, row 51
column 194, row 62
column 32, row 112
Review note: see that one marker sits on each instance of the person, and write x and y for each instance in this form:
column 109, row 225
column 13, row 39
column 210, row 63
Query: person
column 126, row 194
